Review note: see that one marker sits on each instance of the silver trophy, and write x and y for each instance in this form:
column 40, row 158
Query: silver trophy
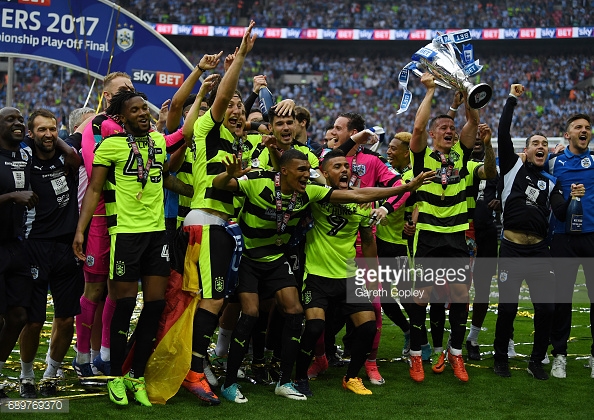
column 441, row 60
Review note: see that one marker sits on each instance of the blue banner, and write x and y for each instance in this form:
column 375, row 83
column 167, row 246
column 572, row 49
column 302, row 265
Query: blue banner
column 94, row 37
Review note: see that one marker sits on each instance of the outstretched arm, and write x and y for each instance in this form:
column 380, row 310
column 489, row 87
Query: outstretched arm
column 468, row 133
column 228, row 180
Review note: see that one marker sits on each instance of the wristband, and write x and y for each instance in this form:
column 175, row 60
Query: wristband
column 453, row 109
column 201, row 69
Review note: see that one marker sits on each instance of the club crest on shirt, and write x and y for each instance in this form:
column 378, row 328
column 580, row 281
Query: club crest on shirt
column 34, row 272
column 120, row 268
column 360, row 170
column 454, row 156
column 586, row 163
column 24, row 155
column 503, row 276
column 542, row 185
column 90, row 260
column 307, row 297
column 219, row 284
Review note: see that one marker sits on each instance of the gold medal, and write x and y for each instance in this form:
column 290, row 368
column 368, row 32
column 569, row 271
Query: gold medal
column 139, row 195
column 279, row 241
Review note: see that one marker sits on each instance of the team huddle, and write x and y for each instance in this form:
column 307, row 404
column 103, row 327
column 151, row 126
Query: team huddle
column 271, row 231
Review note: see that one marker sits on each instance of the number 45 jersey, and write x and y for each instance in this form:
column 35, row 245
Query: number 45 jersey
column 330, row 245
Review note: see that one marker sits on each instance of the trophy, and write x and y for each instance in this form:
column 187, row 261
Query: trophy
column 441, row 60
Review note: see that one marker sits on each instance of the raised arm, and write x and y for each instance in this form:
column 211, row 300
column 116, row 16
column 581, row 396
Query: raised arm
column 207, row 62
column 489, row 169
column 192, row 115
column 507, row 155
column 229, row 81
column 468, row 133
column 418, row 141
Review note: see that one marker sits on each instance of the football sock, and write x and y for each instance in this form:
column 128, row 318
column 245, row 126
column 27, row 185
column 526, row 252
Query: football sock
column 120, row 323
column 362, row 342
column 205, row 322
column 314, row 329
column 291, row 343
column 146, row 332
column 239, row 346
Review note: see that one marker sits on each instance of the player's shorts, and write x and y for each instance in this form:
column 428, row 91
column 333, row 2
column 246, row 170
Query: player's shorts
column 265, row 278
column 135, row 255
column 15, row 276
column 321, row 292
column 54, row 265
column 216, row 252
column 97, row 250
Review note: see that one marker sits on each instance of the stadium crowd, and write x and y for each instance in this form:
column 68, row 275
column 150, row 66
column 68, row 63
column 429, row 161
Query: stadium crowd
column 365, row 84
column 379, row 14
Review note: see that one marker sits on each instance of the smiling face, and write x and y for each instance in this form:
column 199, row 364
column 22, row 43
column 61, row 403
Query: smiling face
column 443, row 132
column 295, row 174
column 44, row 135
column 136, row 116
column 12, row 128
column 337, row 172
column 233, row 113
column 579, row 134
column 283, row 129
column 340, row 131
column 536, row 151
column 398, row 154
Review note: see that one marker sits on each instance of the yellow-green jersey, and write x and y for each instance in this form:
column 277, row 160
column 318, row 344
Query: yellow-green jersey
column 392, row 229
column 258, row 217
column 129, row 207
column 330, row 244
column 472, row 186
column 214, row 142
column 442, row 203
column 184, row 174
column 261, row 157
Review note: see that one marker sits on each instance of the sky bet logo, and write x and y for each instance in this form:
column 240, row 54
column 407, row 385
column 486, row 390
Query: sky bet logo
column 159, row 78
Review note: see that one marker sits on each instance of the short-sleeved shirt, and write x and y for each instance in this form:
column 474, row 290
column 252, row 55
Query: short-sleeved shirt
column 393, row 229
column 56, row 213
column 261, row 157
column 15, row 173
column 214, row 142
column 127, row 211
column 330, row 244
column 443, row 210
column 257, row 218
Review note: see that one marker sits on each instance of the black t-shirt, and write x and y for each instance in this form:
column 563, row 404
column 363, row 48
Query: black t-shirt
column 15, row 172
column 56, row 214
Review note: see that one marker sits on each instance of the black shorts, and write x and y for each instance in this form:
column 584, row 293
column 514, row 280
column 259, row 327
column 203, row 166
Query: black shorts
column 388, row 249
column 320, row 292
column 54, row 266
column 135, row 255
column 15, row 276
column 265, row 278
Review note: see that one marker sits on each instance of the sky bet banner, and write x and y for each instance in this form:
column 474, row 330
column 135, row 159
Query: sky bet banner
column 85, row 34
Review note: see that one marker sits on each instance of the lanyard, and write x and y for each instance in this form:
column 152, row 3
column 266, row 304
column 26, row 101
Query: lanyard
column 142, row 171
column 446, row 169
column 282, row 218
column 354, row 169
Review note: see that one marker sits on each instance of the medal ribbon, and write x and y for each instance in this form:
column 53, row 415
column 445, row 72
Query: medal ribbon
column 142, row 171
column 446, row 169
column 282, row 218
column 354, row 175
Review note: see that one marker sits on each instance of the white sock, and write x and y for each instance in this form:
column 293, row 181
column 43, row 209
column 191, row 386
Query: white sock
column 51, row 370
column 105, row 354
column 27, row 370
column 415, row 352
column 82, row 358
column 223, row 342
column 437, row 349
column 455, row 352
column 473, row 335
column 94, row 354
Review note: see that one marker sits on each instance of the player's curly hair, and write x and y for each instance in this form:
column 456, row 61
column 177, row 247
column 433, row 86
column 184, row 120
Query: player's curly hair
column 119, row 99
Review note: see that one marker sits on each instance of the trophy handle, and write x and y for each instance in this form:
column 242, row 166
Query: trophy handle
column 479, row 95
column 419, row 73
